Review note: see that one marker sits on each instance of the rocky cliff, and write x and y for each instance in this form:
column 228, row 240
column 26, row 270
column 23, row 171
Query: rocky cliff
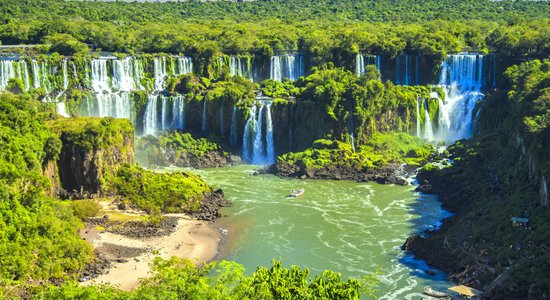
column 91, row 152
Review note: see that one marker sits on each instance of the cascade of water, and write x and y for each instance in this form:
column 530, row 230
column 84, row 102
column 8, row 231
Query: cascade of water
column 137, row 67
column 258, row 154
column 276, row 72
column 7, row 71
column 65, row 75
column 233, row 132
column 159, row 67
column 418, row 132
column 461, row 79
column 165, row 125
column 100, row 80
column 112, row 105
column 35, row 74
column 150, row 118
column 124, row 75
column 238, row 66
column 45, row 80
column 25, row 74
column 246, row 134
column 289, row 66
column 61, row 109
column 361, row 61
column 359, row 64
column 428, row 126
column 178, row 114
column 60, row 106
column 270, row 144
column 75, row 73
column 185, row 65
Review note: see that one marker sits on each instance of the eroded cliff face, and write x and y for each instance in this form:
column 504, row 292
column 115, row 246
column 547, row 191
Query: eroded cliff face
column 50, row 170
column 532, row 154
column 92, row 151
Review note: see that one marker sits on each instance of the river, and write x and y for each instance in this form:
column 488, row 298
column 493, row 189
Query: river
column 348, row 227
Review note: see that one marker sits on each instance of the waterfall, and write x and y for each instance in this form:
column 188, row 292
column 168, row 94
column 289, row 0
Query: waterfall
column 428, row 126
column 289, row 66
column 61, row 109
column 238, row 66
column 60, row 106
column 178, row 113
column 185, row 65
column 363, row 60
column 124, row 76
column 405, row 67
column 258, row 138
column 165, row 125
column 99, row 79
column 260, row 152
column 150, row 117
column 14, row 69
column 418, row 132
column 461, row 79
column 65, row 75
column 246, row 134
column 111, row 81
column 270, row 159
column 7, row 71
column 159, row 72
column 359, row 64
column 233, row 132
column 204, row 128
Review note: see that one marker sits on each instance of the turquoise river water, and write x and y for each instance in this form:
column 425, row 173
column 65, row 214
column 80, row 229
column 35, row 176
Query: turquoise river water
column 352, row 228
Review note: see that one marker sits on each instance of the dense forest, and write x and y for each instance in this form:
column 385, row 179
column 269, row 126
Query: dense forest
column 167, row 73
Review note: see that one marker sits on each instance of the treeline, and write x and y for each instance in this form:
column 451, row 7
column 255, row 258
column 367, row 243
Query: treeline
column 516, row 30
column 285, row 10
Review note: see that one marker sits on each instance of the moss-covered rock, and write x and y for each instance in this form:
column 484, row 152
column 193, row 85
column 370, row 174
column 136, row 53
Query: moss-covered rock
column 376, row 160
column 159, row 192
column 180, row 149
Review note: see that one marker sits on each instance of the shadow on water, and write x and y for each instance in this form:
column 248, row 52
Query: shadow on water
column 430, row 214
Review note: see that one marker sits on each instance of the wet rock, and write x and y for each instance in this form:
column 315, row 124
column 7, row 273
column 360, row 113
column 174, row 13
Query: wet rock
column 210, row 207
column 409, row 242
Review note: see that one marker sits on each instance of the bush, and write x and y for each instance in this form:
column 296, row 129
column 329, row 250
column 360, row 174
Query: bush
column 85, row 208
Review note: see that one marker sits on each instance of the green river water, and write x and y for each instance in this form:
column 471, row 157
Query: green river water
column 352, row 228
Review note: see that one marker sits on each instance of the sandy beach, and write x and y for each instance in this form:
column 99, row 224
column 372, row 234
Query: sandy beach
column 192, row 239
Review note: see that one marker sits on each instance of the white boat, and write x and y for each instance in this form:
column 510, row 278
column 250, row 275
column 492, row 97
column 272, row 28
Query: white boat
column 428, row 291
column 296, row 193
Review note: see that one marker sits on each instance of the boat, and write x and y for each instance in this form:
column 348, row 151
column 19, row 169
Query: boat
column 296, row 193
column 428, row 291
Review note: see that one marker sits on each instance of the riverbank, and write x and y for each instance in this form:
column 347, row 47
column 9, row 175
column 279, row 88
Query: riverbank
column 479, row 246
column 125, row 251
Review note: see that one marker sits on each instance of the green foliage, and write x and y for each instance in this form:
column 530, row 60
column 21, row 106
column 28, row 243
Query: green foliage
column 324, row 31
column 65, row 44
column 361, row 105
column 379, row 151
column 39, row 236
column 93, row 133
column 179, row 279
column 167, row 148
column 159, row 192
column 85, row 208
